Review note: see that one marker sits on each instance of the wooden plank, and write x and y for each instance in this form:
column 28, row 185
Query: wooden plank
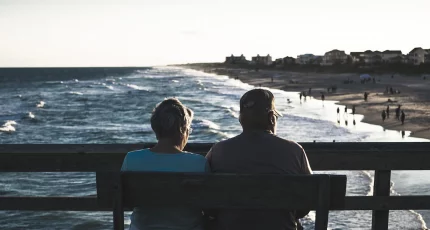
column 118, row 208
column 105, row 195
column 222, row 190
column 321, row 219
column 203, row 148
column 92, row 204
column 50, row 203
column 105, row 188
column 337, row 191
column 387, row 203
column 322, row 156
column 381, row 187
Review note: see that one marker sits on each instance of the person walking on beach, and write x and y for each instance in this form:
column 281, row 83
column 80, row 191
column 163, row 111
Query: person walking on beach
column 346, row 108
column 301, row 95
column 171, row 123
column 353, row 110
column 322, row 97
column 398, row 112
column 365, row 96
column 258, row 150
column 402, row 118
column 388, row 111
column 384, row 115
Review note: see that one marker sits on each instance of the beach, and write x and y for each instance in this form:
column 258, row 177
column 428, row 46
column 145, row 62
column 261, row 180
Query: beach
column 414, row 96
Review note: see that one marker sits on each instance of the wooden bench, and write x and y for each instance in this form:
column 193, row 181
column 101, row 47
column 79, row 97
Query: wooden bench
column 292, row 192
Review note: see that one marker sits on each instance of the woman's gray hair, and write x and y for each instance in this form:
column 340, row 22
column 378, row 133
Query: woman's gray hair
column 171, row 118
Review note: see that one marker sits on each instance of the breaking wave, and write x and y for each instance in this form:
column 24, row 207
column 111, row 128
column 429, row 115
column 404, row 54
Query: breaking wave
column 8, row 127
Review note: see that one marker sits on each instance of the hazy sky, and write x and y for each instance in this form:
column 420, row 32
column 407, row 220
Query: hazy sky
column 157, row 32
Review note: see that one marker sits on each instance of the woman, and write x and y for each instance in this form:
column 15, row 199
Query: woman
column 171, row 122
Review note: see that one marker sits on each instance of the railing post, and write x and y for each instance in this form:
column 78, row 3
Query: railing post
column 381, row 187
column 118, row 210
column 322, row 211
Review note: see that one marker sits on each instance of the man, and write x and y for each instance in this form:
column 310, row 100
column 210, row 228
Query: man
column 257, row 150
column 388, row 111
column 402, row 117
column 398, row 112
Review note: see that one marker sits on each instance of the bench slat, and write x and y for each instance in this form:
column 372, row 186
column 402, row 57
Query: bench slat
column 109, row 157
column 92, row 203
column 224, row 190
column 50, row 204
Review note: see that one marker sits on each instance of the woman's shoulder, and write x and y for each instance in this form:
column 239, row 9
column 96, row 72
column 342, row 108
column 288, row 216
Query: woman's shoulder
column 194, row 155
column 138, row 152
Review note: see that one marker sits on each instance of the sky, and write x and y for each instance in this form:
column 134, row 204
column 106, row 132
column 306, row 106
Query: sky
column 160, row 32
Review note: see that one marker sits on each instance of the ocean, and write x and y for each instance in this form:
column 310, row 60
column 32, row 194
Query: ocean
column 116, row 109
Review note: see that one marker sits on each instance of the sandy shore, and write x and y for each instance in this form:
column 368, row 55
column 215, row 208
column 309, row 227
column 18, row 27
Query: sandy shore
column 414, row 96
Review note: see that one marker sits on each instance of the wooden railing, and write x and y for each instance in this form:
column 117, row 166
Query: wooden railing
column 104, row 159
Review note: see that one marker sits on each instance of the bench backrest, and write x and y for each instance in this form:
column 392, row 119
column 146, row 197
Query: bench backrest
column 291, row 192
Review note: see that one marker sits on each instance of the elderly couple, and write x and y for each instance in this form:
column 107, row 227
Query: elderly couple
column 257, row 150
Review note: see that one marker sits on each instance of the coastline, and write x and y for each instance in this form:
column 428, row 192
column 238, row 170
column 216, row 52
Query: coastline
column 414, row 93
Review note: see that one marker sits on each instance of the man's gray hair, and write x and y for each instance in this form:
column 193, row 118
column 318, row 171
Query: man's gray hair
column 171, row 118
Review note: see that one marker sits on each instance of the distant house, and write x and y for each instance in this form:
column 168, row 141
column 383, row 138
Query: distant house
column 279, row 62
column 285, row 61
column 427, row 57
column 289, row 60
column 371, row 57
column 236, row 59
column 317, row 60
column 357, row 57
column 306, row 59
column 262, row 60
column 395, row 60
column 391, row 56
column 417, row 55
column 334, row 57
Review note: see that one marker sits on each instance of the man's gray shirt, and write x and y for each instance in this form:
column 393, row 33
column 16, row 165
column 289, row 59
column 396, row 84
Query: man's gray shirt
column 257, row 153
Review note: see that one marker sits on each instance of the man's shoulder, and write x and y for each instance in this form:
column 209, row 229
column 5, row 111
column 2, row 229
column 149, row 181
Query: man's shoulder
column 228, row 142
column 271, row 139
column 286, row 142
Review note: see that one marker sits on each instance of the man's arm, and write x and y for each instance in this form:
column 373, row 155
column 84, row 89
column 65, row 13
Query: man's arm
column 306, row 169
column 210, row 214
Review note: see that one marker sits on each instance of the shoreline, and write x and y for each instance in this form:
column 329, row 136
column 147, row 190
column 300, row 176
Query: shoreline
column 414, row 94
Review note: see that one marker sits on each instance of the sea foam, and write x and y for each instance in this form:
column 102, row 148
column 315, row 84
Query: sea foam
column 8, row 127
column 41, row 104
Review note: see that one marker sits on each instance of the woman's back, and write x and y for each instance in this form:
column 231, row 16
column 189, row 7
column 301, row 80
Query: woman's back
column 164, row 217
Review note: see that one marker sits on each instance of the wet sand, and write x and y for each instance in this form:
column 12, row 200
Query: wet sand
column 414, row 96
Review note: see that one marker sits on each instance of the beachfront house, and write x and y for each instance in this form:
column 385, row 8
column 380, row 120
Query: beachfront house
column 285, row 61
column 289, row 60
column 427, row 57
column 391, row 56
column 279, row 62
column 262, row 60
column 357, row 57
column 334, row 57
column 417, row 56
column 305, row 59
column 369, row 57
column 236, row 59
